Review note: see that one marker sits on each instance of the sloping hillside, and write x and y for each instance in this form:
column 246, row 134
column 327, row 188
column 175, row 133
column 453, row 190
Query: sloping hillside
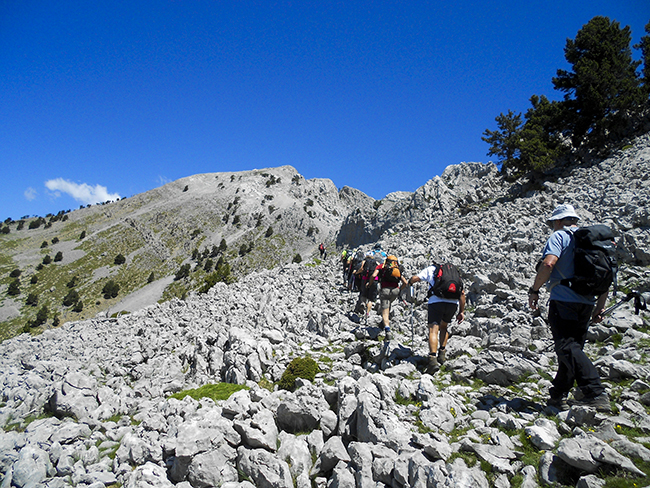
column 249, row 220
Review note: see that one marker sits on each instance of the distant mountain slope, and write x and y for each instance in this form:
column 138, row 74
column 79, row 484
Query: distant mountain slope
column 250, row 219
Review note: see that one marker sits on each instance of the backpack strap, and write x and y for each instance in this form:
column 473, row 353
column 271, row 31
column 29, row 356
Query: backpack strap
column 564, row 278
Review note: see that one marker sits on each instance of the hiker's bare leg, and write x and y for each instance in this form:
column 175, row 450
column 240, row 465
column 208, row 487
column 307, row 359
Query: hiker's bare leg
column 444, row 335
column 385, row 317
column 433, row 338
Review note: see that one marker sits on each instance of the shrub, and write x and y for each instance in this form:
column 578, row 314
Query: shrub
column 119, row 259
column 82, row 236
column 14, row 288
column 34, row 280
column 58, row 257
column 305, row 368
column 186, row 188
column 297, row 258
column 78, row 307
column 41, row 316
column 71, row 297
column 72, row 283
column 6, row 229
column 183, row 272
column 55, row 240
column 151, row 278
column 110, row 290
column 47, row 259
column 44, row 244
column 32, row 299
column 221, row 273
column 15, row 273
column 269, row 232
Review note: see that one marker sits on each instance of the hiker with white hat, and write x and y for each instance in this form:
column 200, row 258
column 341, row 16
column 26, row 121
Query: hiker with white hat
column 569, row 315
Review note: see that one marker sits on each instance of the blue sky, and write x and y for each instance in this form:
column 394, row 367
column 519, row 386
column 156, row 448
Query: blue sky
column 100, row 100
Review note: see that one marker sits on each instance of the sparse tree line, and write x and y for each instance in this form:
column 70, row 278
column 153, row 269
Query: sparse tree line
column 46, row 221
column 606, row 102
column 218, row 271
column 72, row 298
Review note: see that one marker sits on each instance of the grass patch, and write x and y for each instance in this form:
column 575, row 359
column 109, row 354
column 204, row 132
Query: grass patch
column 401, row 400
column 216, row 392
column 469, row 458
column 266, row 384
column 617, row 478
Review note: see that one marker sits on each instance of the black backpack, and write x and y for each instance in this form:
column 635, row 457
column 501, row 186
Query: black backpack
column 357, row 260
column 594, row 260
column 369, row 266
column 448, row 283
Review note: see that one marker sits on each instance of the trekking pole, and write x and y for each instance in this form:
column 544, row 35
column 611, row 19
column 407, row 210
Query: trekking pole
column 412, row 295
column 639, row 303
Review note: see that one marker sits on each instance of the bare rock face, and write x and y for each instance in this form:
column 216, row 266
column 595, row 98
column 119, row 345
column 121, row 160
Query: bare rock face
column 88, row 403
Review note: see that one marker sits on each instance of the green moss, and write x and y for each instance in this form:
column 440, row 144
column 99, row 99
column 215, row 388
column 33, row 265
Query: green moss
column 219, row 391
column 304, row 367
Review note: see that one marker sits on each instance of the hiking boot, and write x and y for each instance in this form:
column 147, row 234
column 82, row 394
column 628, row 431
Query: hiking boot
column 599, row 402
column 433, row 365
column 388, row 336
column 560, row 403
column 442, row 356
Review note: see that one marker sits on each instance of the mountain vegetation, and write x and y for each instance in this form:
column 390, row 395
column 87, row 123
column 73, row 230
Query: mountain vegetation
column 606, row 103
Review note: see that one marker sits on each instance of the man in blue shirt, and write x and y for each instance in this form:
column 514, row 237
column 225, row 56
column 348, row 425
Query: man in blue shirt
column 569, row 316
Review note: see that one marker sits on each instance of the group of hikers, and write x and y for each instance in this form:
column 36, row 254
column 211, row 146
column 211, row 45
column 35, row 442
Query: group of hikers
column 572, row 308
column 376, row 274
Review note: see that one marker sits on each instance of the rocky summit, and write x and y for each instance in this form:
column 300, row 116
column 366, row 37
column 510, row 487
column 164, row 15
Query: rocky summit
column 89, row 403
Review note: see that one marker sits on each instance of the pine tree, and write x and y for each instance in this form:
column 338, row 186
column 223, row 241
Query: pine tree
column 41, row 316
column 541, row 143
column 644, row 46
column 603, row 87
column 504, row 143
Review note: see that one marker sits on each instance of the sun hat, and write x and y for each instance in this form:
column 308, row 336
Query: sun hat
column 565, row 211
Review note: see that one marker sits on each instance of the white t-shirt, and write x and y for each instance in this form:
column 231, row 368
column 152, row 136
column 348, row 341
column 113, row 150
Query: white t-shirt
column 428, row 275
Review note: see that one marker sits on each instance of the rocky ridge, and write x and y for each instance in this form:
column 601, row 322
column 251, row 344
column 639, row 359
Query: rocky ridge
column 371, row 418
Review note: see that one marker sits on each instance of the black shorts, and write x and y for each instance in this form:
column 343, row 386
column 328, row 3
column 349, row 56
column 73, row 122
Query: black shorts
column 369, row 292
column 441, row 312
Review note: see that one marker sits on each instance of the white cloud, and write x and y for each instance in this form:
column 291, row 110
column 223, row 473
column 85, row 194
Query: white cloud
column 163, row 180
column 30, row 194
column 83, row 192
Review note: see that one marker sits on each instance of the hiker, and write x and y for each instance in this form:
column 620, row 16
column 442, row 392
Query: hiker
column 368, row 285
column 354, row 278
column 445, row 298
column 569, row 315
column 323, row 251
column 389, row 276
column 346, row 266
